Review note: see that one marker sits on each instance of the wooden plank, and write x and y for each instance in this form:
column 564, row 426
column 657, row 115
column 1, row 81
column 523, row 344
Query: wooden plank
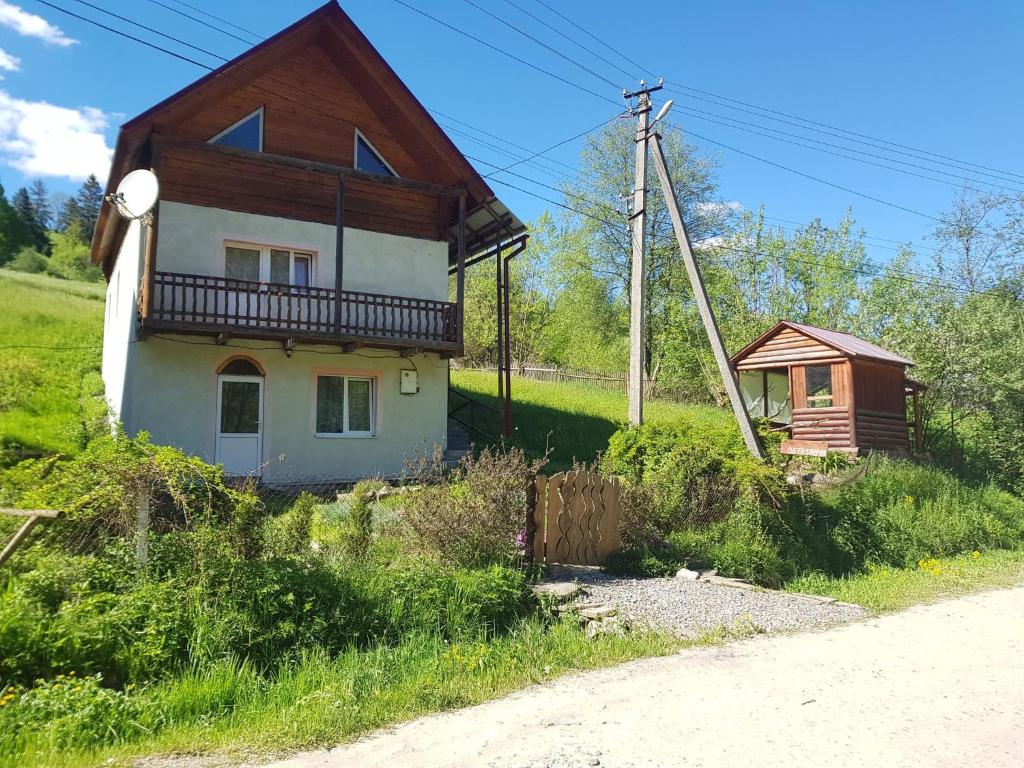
column 573, row 511
column 609, row 520
column 19, row 537
column 540, row 485
column 556, row 545
column 804, row 448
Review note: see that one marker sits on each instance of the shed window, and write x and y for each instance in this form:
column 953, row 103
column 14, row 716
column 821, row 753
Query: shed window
column 344, row 406
column 247, row 133
column 819, row 385
column 369, row 159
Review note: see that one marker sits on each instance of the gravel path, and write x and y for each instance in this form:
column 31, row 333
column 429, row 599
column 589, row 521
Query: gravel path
column 691, row 608
column 939, row 685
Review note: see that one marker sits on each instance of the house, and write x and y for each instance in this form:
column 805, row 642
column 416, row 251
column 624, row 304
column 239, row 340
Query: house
column 831, row 390
column 285, row 308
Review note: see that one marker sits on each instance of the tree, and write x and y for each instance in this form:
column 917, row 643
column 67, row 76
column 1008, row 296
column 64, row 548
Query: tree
column 68, row 213
column 14, row 234
column 606, row 174
column 70, row 256
column 41, row 207
column 22, row 203
column 87, row 206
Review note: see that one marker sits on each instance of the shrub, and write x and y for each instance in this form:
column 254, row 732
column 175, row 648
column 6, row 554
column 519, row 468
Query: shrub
column 474, row 516
column 297, row 524
column 28, row 260
column 99, row 491
column 68, row 711
column 357, row 530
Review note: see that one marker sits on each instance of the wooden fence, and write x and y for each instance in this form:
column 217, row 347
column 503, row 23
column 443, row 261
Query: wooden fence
column 575, row 518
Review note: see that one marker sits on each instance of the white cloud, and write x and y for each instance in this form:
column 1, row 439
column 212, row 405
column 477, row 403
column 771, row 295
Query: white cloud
column 30, row 25
column 8, row 62
column 41, row 139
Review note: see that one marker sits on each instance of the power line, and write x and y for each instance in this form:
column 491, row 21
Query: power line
column 594, row 37
column 544, row 45
column 770, row 111
column 813, row 178
column 570, row 38
column 193, row 18
column 701, row 115
column 125, row 35
column 150, row 29
column 835, row 128
column 502, row 51
column 231, row 24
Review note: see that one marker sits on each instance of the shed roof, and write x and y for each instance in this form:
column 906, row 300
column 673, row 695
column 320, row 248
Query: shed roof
column 846, row 343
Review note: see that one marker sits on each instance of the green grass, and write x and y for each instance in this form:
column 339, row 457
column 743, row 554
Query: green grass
column 323, row 701
column 881, row 590
column 573, row 421
column 45, row 392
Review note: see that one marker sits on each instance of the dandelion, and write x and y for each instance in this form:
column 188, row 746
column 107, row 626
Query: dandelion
column 975, row 554
column 908, row 499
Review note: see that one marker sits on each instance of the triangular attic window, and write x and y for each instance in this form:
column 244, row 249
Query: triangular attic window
column 247, row 133
column 368, row 159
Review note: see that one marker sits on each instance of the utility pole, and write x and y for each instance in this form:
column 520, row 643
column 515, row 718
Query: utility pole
column 637, row 275
column 700, row 293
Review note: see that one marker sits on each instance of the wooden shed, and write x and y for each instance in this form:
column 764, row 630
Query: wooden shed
column 832, row 390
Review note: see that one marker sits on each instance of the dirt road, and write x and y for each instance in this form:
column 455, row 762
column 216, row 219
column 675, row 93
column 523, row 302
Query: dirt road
column 937, row 685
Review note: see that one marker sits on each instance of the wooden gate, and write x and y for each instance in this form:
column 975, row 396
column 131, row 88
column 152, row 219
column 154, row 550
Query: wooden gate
column 576, row 518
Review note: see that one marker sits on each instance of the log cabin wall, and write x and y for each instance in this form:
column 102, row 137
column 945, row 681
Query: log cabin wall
column 881, row 409
column 832, row 424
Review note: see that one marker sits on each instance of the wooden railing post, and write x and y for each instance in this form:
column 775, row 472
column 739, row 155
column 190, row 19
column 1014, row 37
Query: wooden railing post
column 339, row 252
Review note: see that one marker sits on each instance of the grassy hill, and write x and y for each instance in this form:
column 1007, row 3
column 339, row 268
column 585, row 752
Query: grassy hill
column 574, row 421
column 50, row 336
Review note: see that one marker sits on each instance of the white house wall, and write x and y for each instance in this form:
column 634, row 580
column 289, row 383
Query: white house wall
column 172, row 394
column 120, row 317
column 192, row 238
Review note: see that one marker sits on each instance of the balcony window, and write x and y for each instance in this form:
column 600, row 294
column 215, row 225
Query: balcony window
column 344, row 406
column 247, row 133
column 269, row 265
column 369, row 159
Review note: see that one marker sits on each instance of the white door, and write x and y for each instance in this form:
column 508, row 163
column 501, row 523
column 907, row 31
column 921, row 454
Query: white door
column 240, row 424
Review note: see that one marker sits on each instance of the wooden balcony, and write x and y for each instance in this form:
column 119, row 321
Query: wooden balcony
column 202, row 304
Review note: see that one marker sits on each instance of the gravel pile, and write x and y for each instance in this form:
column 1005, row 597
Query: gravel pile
column 691, row 608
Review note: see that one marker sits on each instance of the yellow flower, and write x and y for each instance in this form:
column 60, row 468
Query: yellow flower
column 975, row 554
column 909, row 499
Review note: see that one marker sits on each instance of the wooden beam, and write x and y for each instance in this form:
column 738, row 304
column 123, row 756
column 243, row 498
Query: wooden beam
column 13, row 544
column 918, row 426
column 352, row 346
column 460, row 279
column 339, row 251
column 51, row 514
column 309, row 165
column 707, row 315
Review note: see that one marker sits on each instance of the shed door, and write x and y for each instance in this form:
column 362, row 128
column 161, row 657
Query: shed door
column 240, row 424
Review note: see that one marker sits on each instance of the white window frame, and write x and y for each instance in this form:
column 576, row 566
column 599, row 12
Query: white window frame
column 355, row 153
column 230, row 128
column 348, row 433
column 264, row 251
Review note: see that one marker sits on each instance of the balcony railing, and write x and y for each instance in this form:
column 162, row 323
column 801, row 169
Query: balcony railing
column 241, row 306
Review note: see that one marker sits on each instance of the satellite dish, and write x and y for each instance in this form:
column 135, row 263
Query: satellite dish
column 136, row 194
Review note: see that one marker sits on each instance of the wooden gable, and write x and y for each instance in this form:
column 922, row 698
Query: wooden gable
column 317, row 82
column 784, row 346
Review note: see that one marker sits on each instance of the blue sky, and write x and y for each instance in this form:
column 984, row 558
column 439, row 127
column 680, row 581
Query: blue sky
column 940, row 76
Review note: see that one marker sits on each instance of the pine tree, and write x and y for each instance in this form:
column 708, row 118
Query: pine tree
column 41, row 203
column 68, row 214
column 27, row 213
column 88, row 202
column 14, row 234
